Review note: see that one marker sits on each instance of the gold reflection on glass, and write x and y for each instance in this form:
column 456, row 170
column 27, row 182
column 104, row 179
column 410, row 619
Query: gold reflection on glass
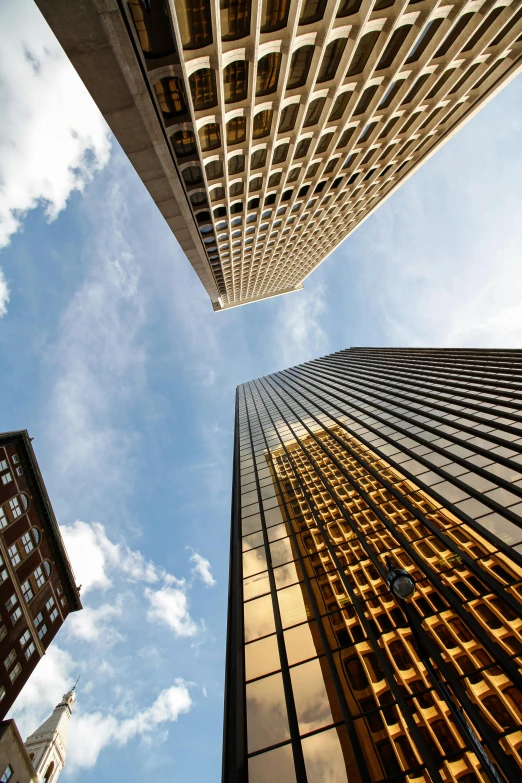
column 267, row 721
column 254, row 560
column 292, row 606
column 275, row 765
column 310, row 696
column 279, row 531
column 256, row 585
column 324, row 757
column 259, row 618
column 286, row 575
column 300, row 644
column 261, row 658
column 251, row 524
column 281, row 552
column 252, row 541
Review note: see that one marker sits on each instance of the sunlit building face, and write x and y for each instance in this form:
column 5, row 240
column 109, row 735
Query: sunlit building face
column 341, row 463
column 329, row 105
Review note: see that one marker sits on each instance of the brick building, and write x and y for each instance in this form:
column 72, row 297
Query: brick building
column 37, row 586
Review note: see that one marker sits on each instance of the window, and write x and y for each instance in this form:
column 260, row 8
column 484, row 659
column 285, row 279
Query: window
column 3, row 518
column 53, row 615
column 453, row 34
column 274, row 15
column 288, row 118
column 331, row 59
column 299, row 67
column 25, row 637
column 339, row 107
column 214, row 169
column 274, row 180
column 3, row 464
column 15, row 459
column 258, row 159
column 2, row 696
column 313, row 10
column 27, row 542
column 11, row 658
column 235, row 79
column 50, row 603
column 184, row 143
column 363, row 53
column 262, row 124
column 6, row 478
column 29, row 650
column 349, row 7
column 210, row 137
column 235, row 19
column 195, row 23
column 63, row 600
column 236, row 130
column 302, row 148
column 394, row 46
column 42, row 631
column 3, row 632
column 39, row 577
column 19, row 471
column 27, row 591
column 365, row 100
column 236, row 189
column 15, row 672
column 38, row 619
column 8, row 774
column 424, row 39
column 14, row 555
column 171, row 96
column 11, row 602
column 236, row 164
column 268, row 73
column 314, row 112
column 36, row 535
column 14, row 505
column 203, row 89
column 16, row 615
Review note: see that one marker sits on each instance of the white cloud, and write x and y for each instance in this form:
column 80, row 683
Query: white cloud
column 94, row 556
column 4, row 294
column 169, row 606
column 94, row 625
column 202, row 569
column 53, row 137
column 91, row 732
column 298, row 332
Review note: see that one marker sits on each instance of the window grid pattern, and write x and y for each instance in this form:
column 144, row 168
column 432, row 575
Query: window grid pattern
column 457, row 53
column 340, row 463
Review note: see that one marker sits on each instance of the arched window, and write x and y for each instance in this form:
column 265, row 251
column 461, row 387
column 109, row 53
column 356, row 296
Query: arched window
column 203, row 217
column 235, row 79
column 236, row 130
column 198, row 199
column 210, row 137
column 274, row 15
column 274, row 180
column 258, row 159
column 280, row 153
column 48, row 773
column 184, row 143
column 331, row 59
column 324, row 143
column 235, row 19
column 236, row 164
column 47, row 568
column 153, row 27
column 255, row 184
column 363, row 52
column 299, row 67
column 424, row 40
column 262, row 124
column 454, row 34
column 349, row 7
column 195, row 23
column 339, row 107
column 217, row 194
column 214, row 169
column 236, row 189
column 394, row 46
column 288, row 118
column 203, row 89
column 171, row 96
column 192, row 175
column 25, row 501
column 313, row 10
column 314, row 112
column 302, row 148
column 268, row 73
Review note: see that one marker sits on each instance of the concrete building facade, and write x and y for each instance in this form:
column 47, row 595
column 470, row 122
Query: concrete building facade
column 37, row 585
column 268, row 130
column 339, row 464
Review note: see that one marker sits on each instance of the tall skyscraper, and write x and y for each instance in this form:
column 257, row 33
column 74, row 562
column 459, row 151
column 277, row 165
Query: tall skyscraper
column 339, row 464
column 37, row 585
column 267, row 131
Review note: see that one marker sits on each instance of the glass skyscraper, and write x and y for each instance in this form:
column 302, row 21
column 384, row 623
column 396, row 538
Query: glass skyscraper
column 409, row 454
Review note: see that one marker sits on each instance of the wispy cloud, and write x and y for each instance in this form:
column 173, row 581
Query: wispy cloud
column 4, row 294
column 169, row 607
column 53, row 137
column 202, row 569
column 298, row 333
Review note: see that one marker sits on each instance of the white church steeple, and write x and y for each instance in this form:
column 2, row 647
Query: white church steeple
column 47, row 746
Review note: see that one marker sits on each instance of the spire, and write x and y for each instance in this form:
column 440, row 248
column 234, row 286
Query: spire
column 47, row 746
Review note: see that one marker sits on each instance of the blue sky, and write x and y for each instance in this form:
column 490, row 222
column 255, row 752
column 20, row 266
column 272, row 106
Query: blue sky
column 114, row 360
